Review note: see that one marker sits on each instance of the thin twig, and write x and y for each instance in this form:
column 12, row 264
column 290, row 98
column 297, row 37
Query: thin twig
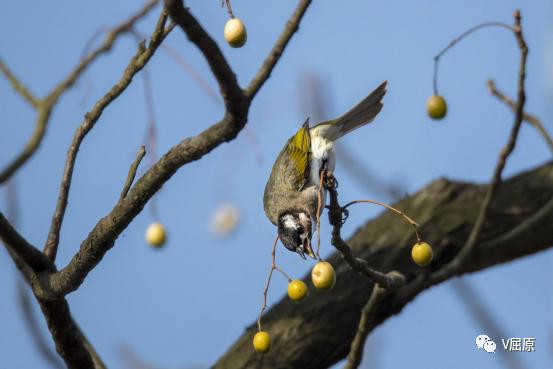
column 136, row 64
column 42, row 119
column 18, row 85
column 355, row 355
column 132, row 172
column 456, row 40
column 414, row 224
column 268, row 283
column 274, row 55
column 335, row 214
column 464, row 255
column 45, row 106
column 529, row 118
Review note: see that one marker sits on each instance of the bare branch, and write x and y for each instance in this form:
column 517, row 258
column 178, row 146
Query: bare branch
column 136, row 64
column 472, row 240
column 274, row 55
column 106, row 231
column 335, row 214
column 132, row 172
column 18, row 86
column 39, row 340
column 355, row 355
column 228, row 85
column 44, row 106
column 529, row 118
column 106, row 46
column 42, row 118
column 23, row 250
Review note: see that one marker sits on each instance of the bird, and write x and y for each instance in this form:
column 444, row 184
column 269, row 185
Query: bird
column 290, row 199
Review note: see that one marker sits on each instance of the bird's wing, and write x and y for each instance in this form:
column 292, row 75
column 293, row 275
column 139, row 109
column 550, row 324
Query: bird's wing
column 299, row 151
column 363, row 113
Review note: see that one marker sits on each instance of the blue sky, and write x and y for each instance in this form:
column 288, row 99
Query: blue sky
column 185, row 304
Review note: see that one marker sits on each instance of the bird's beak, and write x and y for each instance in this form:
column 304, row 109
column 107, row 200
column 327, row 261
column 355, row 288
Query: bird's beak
column 308, row 249
column 299, row 250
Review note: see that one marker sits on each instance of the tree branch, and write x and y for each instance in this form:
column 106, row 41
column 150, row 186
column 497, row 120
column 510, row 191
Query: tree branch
column 20, row 248
column 467, row 250
column 320, row 330
column 274, row 55
column 335, row 213
column 45, row 106
column 136, row 64
column 18, row 86
column 228, row 85
column 106, row 231
column 529, row 118
column 132, row 172
column 355, row 355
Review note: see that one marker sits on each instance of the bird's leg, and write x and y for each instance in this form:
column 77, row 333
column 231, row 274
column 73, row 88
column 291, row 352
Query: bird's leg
column 337, row 214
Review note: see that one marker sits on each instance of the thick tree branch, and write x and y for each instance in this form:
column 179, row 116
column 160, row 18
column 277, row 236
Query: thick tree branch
column 32, row 324
column 69, row 341
column 228, row 85
column 45, row 105
column 20, row 248
column 136, row 64
column 320, row 329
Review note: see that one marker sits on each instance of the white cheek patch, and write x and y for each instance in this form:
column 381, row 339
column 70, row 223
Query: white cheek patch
column 289, row 222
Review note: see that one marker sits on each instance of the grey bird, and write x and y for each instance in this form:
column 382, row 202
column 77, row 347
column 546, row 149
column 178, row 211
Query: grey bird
column 290, row 200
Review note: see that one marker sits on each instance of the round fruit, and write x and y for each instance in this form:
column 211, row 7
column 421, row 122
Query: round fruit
column 436, row 107
column 235, row 32
column 261, row 342
column 156, row 235
column 422, row 253
column 297, row 290
column 323, row 275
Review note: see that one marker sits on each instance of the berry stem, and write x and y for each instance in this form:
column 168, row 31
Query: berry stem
column 268, row 283
column 391, row 208
column 459, row 38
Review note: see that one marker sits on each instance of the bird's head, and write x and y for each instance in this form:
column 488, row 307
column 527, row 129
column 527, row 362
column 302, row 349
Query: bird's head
column 294, row 231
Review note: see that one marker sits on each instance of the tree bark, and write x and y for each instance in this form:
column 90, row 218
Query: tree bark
column 317, row 333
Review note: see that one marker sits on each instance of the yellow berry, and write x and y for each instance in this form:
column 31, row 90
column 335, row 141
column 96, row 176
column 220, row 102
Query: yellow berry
column 323, row 275
column 235, row 32
column 261, row 342
column 156, row 235
column 422, row 253
column 436, row 107
column 297, row 290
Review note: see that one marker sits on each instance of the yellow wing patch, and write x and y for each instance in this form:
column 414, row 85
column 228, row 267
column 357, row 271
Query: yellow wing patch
column 299, row 149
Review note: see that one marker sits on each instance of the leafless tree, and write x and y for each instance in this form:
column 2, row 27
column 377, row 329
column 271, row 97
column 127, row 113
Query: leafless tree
column 490, row 224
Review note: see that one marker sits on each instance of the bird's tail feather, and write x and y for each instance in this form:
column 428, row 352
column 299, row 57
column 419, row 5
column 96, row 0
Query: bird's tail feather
column 363, row 113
